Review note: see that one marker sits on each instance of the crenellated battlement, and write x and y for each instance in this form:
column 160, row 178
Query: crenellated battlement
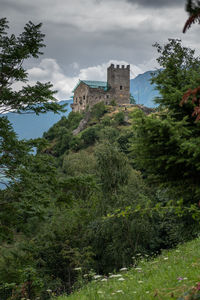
column 123, row 67
column 87, row 93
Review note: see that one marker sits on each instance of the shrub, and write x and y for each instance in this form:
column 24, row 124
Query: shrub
column 98, row 110
column 113, row 102
column 119, row 118
column 76, row 143
column 89, row 136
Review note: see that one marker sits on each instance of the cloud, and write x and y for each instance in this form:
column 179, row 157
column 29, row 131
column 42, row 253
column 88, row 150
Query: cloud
column 158, row 3
column 85, row 33
column 49, row 70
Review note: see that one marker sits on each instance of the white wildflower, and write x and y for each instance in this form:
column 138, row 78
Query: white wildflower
column 119, row 291
column 140, row 281
column 121, row 279
column 115, row 276
column 97, row 276
column 123, row 269
column 104, row 279
column 77, row 269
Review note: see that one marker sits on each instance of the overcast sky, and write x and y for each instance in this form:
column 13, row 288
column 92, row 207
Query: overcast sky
column 84, row 36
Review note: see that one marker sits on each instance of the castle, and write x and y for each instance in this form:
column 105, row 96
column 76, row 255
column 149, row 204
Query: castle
column 117, row 88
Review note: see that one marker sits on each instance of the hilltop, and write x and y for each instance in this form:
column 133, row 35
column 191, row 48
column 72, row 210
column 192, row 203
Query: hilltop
column 33, row 126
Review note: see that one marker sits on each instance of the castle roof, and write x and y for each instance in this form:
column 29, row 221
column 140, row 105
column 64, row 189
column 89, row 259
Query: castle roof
column 94, row 84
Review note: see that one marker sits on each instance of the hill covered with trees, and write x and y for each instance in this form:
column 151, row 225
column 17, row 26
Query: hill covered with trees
column 125, row 184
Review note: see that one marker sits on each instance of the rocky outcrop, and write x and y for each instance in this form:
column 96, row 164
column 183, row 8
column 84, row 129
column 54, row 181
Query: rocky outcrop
column 82, row 125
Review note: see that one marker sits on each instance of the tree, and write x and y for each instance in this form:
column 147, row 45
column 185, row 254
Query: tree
column 14, row 51
column 28, row 177
column 179, row 71
column 193, row 9
column 166, row 144
column 29, row 99
column 132, row 99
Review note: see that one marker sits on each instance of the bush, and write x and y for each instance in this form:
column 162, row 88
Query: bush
column 98, row 110
column 90, row 136
column 119, row 118
column 113, row 102
column 80, row 163
column 109, row 133
column 106, row 121
column 76, row 143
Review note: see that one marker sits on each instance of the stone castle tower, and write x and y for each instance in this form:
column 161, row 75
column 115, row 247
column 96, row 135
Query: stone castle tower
column 118, row 80
column 117, row 88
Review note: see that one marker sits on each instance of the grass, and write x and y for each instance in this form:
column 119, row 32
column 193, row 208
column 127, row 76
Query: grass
column 167, row 276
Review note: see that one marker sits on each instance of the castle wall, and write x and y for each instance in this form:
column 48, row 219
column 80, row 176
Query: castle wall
column 118, row 79
column 81, row 97
column 84, row 96
column 98, row 95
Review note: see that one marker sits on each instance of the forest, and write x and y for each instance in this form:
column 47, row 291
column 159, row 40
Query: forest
column 126, row 184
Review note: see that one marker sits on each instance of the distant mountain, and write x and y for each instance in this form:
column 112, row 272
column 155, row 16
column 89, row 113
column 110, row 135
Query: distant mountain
column 142, row 90
column 29, row 126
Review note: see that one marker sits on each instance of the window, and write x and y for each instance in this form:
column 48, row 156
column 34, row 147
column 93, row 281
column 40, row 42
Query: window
column 83, row 97
column 107, row 96
column 121, row 87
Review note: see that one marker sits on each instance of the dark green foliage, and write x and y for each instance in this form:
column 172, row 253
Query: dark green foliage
column 179, row 72
column 23, row 203
column 14, row 50
column 109, row 133
column 119, row 118
column 78, row 202
column 113, row 167
column 166, row 144
column 106, row 121
column 79, row 163
column 90, row 136
column 113, row 102
column 60, row 134
column 193, row 9
column 124, row 141
column 98, row 110
column 76, row 143
column 132, row 99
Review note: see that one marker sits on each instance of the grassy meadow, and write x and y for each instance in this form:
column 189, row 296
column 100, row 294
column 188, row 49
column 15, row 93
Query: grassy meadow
column 168, row 276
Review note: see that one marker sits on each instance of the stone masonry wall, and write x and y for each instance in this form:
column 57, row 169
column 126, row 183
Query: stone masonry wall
column 118, row 79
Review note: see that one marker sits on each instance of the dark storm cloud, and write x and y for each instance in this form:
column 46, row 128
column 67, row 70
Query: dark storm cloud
column 9, row 6
column 158, row 3
column 86, row 33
